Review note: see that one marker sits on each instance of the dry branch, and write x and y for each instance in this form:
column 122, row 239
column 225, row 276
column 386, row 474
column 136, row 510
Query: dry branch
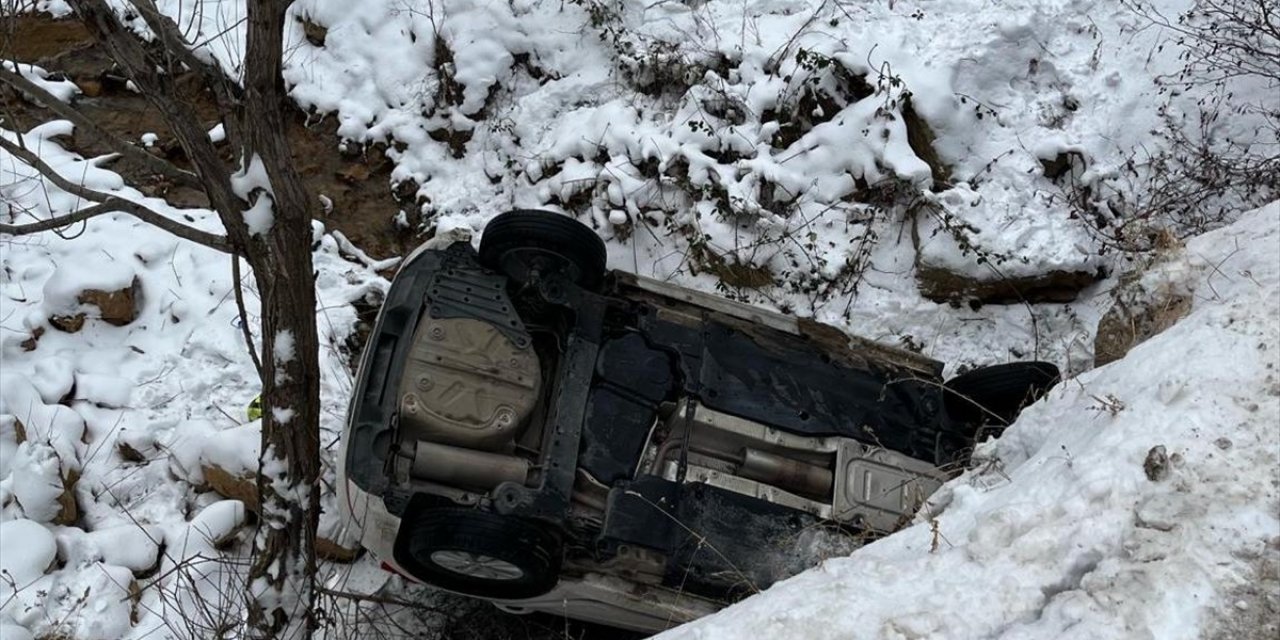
column 87, row 125
column 106, row 203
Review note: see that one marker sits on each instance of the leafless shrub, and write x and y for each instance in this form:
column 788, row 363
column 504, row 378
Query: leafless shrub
column 1218, row 156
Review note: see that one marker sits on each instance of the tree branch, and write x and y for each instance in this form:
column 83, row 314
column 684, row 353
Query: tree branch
column 244, row 316
column 106, row 203
column 158, row 87
column 175, row 44
column 83, row 123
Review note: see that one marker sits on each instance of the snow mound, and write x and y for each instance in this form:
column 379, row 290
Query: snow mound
column 1123, row 505
column 135, row 547
column 26, row 550
column 40, row 485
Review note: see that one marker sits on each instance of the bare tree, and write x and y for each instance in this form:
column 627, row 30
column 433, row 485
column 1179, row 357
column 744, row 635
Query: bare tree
column 264, row 208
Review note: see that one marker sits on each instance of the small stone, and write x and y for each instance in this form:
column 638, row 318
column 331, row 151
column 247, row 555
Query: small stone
column 114, row 307
column 30, row 343
column 68, row 510
column 1156, row 465
column 90, row 87
column 129, row 453
column 230, row 485
column 69, row 324
column 117, row 307
column 1135, row 316
column 353, row 174
column 314, row 33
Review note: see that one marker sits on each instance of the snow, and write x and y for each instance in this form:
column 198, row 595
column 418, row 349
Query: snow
column 63, row 90
column 53, row 378
column 14, row 632
column 284, row 350
column 253, row 185
column 103, row 390
column 218, row 133
column 58, row 426
column 260, row 216
column 36, row 490
column 164, row 387
column 251, row 177
column 1056, row 531
column 26, row 551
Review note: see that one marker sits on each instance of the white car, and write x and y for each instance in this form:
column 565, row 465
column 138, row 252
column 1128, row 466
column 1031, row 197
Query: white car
column 533, row 430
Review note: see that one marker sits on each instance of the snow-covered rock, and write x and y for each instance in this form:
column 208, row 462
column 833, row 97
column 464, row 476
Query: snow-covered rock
column 135, row 547
column 95, row 287
column 44, row 490
column 27, row 551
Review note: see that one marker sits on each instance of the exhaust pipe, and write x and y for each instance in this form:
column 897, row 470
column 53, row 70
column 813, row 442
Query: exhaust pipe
column 458, row 467
column 792, row 475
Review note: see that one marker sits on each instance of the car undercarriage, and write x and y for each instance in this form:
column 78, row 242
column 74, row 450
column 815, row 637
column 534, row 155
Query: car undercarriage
column 523, row 423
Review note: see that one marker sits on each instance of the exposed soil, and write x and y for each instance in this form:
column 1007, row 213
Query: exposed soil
column 357, row 183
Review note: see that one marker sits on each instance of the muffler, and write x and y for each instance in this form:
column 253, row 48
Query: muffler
column 785, row 473
column 466, row 468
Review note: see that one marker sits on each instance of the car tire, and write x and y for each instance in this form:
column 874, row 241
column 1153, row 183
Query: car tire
column 480, row 554
column 517, row 241
column 994, row 395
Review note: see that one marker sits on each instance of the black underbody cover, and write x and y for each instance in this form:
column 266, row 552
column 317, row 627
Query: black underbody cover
column 791, row 386
column 780, row 380
column 632, row 379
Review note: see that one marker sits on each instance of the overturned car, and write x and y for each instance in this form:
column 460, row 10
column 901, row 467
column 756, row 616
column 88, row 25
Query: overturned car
column 534, row 430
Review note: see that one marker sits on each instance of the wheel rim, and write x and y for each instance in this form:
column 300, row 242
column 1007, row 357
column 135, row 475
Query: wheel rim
column 522, row 261
column 476, row 565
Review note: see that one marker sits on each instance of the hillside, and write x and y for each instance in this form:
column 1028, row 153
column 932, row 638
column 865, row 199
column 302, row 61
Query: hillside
column 981, row 183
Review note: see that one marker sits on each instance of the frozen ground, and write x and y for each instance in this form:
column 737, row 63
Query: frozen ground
column 1067, row 528
column 1057, row 532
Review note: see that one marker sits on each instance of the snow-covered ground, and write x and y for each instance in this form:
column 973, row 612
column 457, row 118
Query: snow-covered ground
column 133, row 411
column 1065, row 529
column 487, row 106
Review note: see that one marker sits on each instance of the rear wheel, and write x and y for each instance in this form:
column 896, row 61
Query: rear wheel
column 479, row 553
column 994, row 395
column 521, row 242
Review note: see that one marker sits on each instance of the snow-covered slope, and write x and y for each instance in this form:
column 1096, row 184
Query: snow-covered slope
column 1071, row 529
column 667, row 124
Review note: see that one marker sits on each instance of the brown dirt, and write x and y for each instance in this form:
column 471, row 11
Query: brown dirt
column 358, row 183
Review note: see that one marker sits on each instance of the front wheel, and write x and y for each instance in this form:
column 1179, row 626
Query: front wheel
column 525, row 241
column 995, row 395
column 480, row 554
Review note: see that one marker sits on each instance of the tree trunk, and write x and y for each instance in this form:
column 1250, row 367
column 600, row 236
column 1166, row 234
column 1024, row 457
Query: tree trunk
column 281, row 592
column 282, row 574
